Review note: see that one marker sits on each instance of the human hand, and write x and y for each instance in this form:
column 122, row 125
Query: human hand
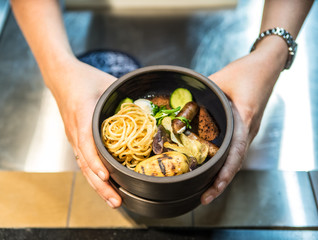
column 248, row 83
column 76, row 88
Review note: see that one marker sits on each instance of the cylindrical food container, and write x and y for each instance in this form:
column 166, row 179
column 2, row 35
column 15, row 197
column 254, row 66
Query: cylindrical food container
column 164, row 196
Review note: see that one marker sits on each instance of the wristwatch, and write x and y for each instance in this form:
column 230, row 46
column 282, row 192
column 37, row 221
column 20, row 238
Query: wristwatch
column 291, row 44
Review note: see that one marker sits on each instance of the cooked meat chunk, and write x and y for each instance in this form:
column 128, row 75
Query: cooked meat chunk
column 205, row 125
column 188, row 111
column 161, row 101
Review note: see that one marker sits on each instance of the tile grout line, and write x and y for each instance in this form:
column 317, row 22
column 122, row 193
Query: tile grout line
column 313, row 189
column 192, row 218
column 71, row 201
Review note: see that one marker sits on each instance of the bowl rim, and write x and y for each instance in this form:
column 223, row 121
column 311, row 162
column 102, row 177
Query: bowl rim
column 173, row 179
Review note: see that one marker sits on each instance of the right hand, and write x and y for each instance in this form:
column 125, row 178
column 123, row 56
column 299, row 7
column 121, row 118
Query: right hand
column 248, row 83
column 76, row 88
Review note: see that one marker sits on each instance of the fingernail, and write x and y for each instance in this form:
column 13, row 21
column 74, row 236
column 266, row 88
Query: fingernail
column 208, row 199
column 113, row 202
column 109, row 203
column 101, row 175
column 221, row 186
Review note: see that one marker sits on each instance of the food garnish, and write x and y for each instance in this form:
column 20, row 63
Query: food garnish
column 180, row 97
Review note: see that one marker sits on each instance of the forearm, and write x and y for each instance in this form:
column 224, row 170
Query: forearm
column 75, row 85
column 287, row 14
column 272, row 51
column 42, row 25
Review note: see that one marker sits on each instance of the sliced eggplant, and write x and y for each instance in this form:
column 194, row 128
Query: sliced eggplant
column 159, row 139
column 193, row 163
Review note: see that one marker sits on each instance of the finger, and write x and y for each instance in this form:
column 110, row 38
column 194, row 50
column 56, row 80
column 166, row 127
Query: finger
column 83, row 166
column 233, row 162
column 104, row 189
column 86, row 147
column 226, row 174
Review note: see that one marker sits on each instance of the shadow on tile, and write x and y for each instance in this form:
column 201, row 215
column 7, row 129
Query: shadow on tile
column 89, row 210
column 184, row 220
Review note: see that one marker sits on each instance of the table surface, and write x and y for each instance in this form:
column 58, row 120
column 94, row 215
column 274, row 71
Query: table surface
column 32, row 133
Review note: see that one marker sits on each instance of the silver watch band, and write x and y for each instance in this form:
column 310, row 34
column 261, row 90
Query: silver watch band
column 292, row 45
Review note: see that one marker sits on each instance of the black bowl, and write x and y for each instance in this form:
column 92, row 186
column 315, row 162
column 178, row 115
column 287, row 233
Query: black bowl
column 158, row 209
column 162, row 80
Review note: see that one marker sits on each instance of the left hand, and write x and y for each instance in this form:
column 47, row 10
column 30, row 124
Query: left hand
column 77, row 87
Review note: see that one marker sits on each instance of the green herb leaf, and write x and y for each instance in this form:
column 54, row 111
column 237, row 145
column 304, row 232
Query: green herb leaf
column 154, row 108
column 185, row 120
column 161, row 112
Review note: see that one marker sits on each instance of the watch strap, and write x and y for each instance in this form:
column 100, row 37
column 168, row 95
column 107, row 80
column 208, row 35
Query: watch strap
column 281, row 32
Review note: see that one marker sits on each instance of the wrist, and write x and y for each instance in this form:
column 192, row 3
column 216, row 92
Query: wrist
column 273, row 52
column 57, row 76
column 54, row 68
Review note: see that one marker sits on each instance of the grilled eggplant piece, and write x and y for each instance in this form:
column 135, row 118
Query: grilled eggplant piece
column 164, row 165
column 188, row 111
column 159, row 139
column 193, row 163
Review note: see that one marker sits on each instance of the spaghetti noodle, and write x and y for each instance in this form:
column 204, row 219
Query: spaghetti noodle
column 128, row 135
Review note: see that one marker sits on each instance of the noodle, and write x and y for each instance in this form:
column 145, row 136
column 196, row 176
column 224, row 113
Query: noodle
column 128, row 135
